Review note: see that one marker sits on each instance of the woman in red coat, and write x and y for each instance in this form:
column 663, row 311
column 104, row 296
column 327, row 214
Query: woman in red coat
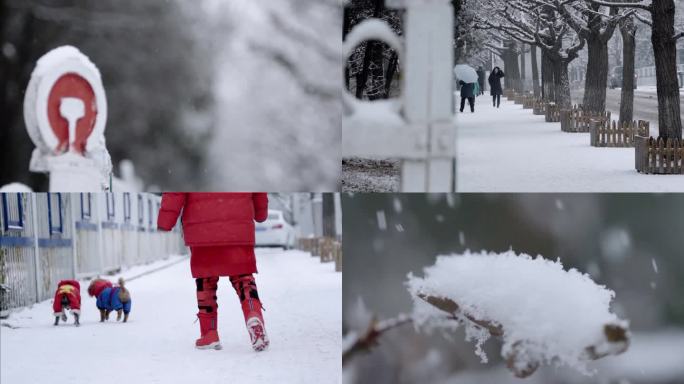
column 219, row 229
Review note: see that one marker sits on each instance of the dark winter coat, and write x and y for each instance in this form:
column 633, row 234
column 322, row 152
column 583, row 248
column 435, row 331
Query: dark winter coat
column 495, row 83
column 467, row 89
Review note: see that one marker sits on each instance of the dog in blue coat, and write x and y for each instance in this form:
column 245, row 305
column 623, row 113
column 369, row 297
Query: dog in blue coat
column 114, row 298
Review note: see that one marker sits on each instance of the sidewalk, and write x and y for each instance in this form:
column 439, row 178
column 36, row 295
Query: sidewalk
column 302, row 298
column 511, row 150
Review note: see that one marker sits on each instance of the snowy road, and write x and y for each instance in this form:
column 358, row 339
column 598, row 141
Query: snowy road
column 302, row 298
column 645, row 104
column 512, row 150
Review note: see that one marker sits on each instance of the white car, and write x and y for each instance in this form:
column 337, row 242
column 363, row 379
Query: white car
column 276, row 231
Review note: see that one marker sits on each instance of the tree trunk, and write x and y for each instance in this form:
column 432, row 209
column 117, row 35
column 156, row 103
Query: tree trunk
column 375, row 85
column 628, row 31
column 549, row 88
column 346, row 27
column 389, row 75
column 535, row 71
column 665, row 48
column 522, row 68
column 597, row 75
column 369, row 54
column 328, row 215
column 562, row 84
column 511, row 68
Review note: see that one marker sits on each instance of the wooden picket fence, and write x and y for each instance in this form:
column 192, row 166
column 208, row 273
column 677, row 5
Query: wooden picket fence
column 552, row 112
column 659, row 156
column 603, row 134
column 509, row 93
column 328, row 249
column 539, row 107
column 577, row 119
column 528, row 102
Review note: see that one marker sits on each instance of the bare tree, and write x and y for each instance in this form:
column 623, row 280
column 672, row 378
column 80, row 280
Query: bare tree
column 529, row 22
column 664, row 39
column 596, row 28
column 628, row 31
column 535, row 72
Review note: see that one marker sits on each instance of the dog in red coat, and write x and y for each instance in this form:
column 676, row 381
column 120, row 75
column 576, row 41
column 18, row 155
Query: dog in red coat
column 67, row 297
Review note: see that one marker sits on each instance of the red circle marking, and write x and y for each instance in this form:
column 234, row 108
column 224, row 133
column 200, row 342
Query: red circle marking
column 72, row 85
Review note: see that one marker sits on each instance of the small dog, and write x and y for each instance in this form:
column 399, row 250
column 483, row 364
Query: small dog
column 111, row 298
column 67, row 297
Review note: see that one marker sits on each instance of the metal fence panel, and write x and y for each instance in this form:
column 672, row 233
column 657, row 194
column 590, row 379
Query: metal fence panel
column 55, row 242
column 17, row 252
column 47, row 237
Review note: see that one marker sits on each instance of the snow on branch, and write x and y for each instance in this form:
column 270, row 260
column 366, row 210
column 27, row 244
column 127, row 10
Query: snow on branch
column 645, row 5
column 543, row 313
column 355, row 343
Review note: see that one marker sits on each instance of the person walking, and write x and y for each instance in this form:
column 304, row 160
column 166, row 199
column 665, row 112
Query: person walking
column 467, row 93
column 219, row 229
column 481, row 75
column 495, row 86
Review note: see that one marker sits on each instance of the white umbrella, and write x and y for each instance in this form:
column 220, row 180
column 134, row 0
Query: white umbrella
column 466, row 73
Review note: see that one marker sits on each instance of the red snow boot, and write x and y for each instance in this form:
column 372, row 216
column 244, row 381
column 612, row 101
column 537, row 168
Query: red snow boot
column 208, row 326
column 245, row 287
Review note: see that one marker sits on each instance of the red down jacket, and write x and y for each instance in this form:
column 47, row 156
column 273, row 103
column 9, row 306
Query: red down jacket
column 214, row 219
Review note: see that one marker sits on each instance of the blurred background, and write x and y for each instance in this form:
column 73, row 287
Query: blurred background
column 202, row 95
column 630, row 242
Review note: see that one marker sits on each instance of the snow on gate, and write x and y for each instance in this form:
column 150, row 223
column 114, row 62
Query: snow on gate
column 46, row 237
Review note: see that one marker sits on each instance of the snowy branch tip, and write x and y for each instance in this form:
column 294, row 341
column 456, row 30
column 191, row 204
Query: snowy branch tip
column 542, row 312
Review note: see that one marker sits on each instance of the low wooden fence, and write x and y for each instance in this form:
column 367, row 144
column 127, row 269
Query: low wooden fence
column 552, row 112
column 539, row 107
column 659, row 156
column 528, row 102
column 328, row 249
column 613, row 135
column 578, row 120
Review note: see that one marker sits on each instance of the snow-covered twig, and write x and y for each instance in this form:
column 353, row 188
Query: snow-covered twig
column 356, row 343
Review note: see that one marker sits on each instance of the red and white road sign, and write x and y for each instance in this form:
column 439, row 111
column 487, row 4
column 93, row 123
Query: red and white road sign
column 65, row 107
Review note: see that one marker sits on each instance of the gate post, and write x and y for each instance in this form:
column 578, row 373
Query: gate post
column 428, row 94
column 74, row 237
column 36, row 248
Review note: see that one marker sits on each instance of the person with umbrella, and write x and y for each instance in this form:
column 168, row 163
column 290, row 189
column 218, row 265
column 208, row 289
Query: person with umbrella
column 495, row 86
column 468, row 78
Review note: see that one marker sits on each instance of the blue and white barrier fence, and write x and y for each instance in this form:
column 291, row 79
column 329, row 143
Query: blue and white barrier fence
column 46, row 237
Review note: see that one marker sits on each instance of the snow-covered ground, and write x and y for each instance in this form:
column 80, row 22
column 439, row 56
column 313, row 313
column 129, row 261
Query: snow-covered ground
column 511, row 150
column 303, row 316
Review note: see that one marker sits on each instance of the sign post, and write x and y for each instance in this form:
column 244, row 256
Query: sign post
column 65, row 111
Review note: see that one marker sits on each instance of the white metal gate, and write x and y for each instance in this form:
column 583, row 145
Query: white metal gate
column 419, row 127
